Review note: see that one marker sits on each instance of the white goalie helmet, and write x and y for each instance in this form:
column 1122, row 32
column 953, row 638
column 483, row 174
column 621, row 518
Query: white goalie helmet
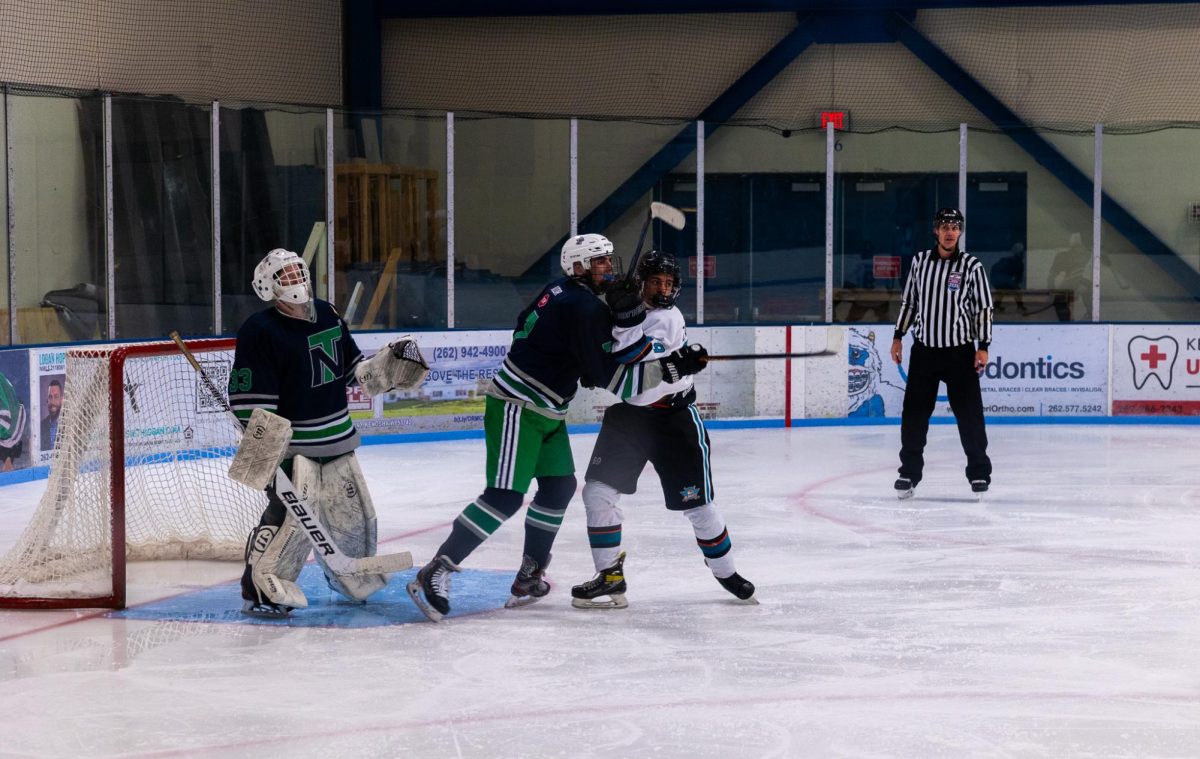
column 282, row 275
column 582, row 249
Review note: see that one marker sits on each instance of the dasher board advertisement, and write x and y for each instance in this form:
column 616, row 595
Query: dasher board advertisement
column 1033, row 370
column 1156, row 370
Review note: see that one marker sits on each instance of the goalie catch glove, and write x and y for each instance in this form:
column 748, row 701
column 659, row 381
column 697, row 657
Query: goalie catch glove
column 690, row 359
column 399, row 364
column 625, row 301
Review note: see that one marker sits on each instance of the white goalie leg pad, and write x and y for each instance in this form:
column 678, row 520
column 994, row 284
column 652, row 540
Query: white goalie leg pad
column 601, row 503
column 338, row 491
column 399, row 364
column 276, row 554
column 263, row 446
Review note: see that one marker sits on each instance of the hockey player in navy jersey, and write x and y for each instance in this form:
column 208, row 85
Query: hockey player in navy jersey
column 295, row 360
column 562, row 338
column 661, row 426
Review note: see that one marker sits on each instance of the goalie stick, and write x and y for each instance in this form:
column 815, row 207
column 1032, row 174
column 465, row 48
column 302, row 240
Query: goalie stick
column 311, row 523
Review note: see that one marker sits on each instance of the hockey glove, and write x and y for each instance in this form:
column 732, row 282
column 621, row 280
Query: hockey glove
column 689, row 359
column 624, row 299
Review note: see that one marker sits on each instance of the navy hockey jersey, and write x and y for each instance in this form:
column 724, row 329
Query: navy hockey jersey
column 299, row 370
column 563, row 337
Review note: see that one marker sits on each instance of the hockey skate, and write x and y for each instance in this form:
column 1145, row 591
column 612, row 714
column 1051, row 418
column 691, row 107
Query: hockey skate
column 904, row 488
column 740, row 587
column 530, row 586
column 265, row 609
column 430, row 590
column 609, row 582
column 979, row 488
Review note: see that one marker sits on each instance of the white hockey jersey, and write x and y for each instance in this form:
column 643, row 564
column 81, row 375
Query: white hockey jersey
column 668, row 332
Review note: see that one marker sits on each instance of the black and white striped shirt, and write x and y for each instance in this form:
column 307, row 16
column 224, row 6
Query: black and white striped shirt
column 947, row 301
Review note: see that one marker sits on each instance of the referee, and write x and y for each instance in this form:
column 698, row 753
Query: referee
column 948, row 304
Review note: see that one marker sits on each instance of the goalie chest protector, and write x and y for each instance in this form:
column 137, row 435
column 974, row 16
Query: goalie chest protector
column 299, row 370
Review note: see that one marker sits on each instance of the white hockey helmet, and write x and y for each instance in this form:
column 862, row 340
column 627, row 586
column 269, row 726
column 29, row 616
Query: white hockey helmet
column 282, row 275
column 582, row 249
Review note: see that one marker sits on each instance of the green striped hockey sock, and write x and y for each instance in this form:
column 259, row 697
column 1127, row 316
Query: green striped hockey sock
column 478, row 521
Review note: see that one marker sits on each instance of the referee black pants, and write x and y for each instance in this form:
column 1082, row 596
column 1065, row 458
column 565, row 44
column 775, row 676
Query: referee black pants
column 956, row 367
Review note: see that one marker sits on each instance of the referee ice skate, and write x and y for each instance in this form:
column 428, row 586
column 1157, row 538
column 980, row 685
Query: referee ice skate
column 948, row 303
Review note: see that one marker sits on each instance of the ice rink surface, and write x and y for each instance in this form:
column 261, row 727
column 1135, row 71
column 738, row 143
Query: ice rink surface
column 1060, row 617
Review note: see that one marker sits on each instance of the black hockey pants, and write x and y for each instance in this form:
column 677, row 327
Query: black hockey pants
column 956, row 367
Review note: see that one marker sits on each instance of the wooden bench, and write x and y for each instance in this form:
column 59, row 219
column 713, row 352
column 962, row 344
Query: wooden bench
column 859, row 305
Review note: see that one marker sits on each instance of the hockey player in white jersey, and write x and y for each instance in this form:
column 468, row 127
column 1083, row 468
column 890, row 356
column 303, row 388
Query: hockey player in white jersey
column 660, row 426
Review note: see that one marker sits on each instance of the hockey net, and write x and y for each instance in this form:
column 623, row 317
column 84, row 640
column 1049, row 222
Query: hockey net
column 138, row 473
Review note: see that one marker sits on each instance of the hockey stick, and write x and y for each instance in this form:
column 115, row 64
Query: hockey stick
column 669, row 215
column 756, row 356
column 310, row 520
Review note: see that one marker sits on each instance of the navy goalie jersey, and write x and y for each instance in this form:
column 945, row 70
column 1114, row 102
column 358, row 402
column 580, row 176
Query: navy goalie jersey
column 299, row 370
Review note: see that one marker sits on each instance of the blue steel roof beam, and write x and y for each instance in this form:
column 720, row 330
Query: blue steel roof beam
column 1046, row 154
column 683, row 144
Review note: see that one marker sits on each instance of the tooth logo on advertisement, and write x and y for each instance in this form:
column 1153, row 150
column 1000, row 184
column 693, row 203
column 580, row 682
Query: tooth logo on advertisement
column 1153, row 357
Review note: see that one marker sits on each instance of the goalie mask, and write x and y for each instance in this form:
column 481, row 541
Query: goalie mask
column 586, row 249
column 656, row 262
column 283, row 276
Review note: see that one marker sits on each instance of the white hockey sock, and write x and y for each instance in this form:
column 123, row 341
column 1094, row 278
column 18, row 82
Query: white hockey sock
column 603, row 522
column 713, row 539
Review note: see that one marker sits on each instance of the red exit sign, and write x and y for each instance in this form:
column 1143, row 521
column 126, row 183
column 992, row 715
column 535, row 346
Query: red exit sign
column 710, row 267
column 886, row 267
column 837, row 118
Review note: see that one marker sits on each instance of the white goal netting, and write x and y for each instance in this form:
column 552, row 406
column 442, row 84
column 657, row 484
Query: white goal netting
column 142, row 465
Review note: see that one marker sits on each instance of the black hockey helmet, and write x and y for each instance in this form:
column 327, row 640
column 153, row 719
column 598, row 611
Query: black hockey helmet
column 657, row 262
column 948, row 216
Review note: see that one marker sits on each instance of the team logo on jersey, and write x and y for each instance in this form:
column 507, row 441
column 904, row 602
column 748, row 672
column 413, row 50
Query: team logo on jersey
column 954, row 281
column 545, row 299
column 690, row 493
column 324, row 350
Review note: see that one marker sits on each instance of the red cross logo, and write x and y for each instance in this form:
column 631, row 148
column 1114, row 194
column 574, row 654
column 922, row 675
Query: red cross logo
column 1153, row 356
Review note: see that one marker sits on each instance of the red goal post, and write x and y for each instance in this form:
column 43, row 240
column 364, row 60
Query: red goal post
column 138, row 473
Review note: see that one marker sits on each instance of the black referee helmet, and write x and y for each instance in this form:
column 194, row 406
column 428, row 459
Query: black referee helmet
column 948, row 216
